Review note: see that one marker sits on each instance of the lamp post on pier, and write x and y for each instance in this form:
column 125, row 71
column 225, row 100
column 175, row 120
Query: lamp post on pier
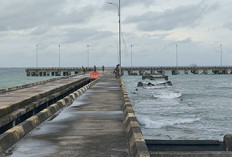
column 131, row 55
column 88, row 56
column 176, row 55
column 119, row 32
column 37, row 56
column 221, row 54
column 59, row 56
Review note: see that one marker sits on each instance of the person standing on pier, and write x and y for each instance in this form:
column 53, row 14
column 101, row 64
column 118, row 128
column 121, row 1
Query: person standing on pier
column 83, row 69
column 116, row 71
column 103, row 68
column 94, row 68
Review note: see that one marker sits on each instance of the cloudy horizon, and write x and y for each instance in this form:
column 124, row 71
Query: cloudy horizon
column 152, row 27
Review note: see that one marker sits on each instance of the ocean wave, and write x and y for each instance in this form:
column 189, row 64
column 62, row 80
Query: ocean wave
column 155, row 87
column 146, row 122
column 168, row 95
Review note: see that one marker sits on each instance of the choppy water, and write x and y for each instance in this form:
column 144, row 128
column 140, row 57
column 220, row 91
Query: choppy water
column 195, row 107
column 10, row 77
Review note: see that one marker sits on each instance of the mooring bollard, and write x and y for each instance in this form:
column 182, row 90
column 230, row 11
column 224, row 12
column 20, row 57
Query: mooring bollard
column 228, row 142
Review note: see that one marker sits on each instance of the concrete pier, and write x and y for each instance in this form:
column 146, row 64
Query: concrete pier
column 97, row 122
column 205, row 71
column 52, row 71
column 176, row 70
column 19, row 104
column 91, row 126
column 132, row 70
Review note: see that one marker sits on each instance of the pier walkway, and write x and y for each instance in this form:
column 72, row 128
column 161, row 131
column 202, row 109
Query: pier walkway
column 18, row 105
column 91, row 126
column 11, row 97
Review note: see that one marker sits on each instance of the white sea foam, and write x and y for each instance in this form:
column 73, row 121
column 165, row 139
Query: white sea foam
column 155, row 87
column 167, row 95
column 155, row 124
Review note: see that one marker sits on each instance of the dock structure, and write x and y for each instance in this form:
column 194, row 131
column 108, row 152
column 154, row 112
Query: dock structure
column 176, row 70
column 134, row 70
column 19, row 104
column 52, row 71
column 84, row 117
column 94, row 122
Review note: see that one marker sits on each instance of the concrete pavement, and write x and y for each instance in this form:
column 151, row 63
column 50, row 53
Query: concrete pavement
column 91, row 126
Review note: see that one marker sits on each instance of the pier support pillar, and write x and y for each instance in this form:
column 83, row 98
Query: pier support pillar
column 163, row 72
column 13, row 123
column 141, row 72
column 69, row 73
column 175, row 72
column 195, row 71
column 186, row 71
column 57, row 73
column 225, row 71
column 152, row 72
column 122, row 72
column 159, row 71
column 33, row 73
column 228, row 142
column 215, row 71
column 130, row 72
column 28, row 74
column 205, row 71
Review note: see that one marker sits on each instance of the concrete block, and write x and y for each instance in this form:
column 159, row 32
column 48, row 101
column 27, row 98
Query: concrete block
column 228, row 142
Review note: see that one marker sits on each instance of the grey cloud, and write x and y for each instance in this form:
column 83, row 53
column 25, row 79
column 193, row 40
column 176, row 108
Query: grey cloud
column 185, row 41
column 39, row 30
column 127, row 3
column 172, row 18
column 172, row 43
column 85, row 35
column 228, row 25
column 18, row 15
column 133, row 2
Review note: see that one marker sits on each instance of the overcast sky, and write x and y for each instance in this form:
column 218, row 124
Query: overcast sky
column 153, row 27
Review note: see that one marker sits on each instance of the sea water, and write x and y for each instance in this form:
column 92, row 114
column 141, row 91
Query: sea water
column 195, row 107
column 10, row 77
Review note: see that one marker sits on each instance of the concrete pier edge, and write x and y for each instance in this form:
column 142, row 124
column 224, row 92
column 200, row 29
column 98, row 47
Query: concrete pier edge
column 137, row 145
column 9, row 112
column 11, row 136
column 4, row 90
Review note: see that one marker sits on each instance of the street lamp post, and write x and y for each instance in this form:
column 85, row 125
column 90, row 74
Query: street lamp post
column 37, row 56
column 221, row 53
column 59, row 56
column 131, row 55
column 176, row 55
column 119, row 32
column 88, row 56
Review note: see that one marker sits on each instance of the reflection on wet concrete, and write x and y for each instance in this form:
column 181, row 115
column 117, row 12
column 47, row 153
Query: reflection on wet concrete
column 24, row 148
